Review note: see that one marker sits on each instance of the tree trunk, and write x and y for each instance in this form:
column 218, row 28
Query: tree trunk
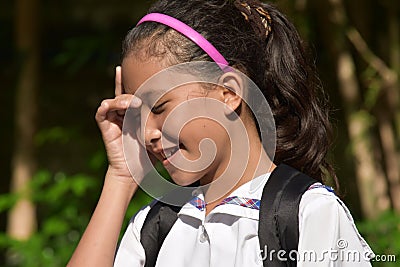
column 387, row 109
column 391, row 134
column 391, row 156
column 22, row 217
column 370, row 179
column 369, row 174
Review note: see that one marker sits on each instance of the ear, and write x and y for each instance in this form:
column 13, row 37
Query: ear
column 232, row 86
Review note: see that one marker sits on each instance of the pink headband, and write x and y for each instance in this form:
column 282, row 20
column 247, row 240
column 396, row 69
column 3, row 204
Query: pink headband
column 190, row 33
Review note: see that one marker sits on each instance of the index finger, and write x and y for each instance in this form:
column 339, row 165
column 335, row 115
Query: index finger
column 118, row 81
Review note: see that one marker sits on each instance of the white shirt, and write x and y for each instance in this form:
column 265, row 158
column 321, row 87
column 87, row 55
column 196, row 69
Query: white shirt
column 228, row 235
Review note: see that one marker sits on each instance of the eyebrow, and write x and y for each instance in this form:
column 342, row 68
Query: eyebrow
column 152, row 95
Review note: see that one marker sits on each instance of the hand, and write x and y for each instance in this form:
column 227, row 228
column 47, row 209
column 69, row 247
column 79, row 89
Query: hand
column 110, row 117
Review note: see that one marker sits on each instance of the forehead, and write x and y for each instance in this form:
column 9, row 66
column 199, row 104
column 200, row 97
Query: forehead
column 135, row 72
column 138, row 77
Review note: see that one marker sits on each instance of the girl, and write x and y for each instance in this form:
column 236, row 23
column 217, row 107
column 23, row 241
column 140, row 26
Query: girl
column 256, row 39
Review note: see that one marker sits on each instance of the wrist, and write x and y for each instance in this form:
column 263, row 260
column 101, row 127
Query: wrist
column 121, row 185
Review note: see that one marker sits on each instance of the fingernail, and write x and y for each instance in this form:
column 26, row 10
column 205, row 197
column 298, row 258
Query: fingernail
column 136, row 102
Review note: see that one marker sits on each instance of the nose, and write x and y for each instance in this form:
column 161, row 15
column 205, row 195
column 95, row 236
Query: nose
column 152, row 137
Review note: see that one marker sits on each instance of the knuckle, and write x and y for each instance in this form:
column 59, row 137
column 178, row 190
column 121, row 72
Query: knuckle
column 104, row 103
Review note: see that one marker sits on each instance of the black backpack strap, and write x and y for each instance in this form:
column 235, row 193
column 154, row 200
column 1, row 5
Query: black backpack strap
column 279, row 209
column 160, row 219
column 156, row 227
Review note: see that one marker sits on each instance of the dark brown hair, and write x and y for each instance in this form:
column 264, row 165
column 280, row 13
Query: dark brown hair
column 279, row 64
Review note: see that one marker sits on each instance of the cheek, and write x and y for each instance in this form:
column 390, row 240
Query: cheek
column 195, row 131
column 171, row 125
column 188, row 123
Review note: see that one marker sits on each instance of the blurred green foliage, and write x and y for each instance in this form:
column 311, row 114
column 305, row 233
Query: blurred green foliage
column 58, row 198
column 61, row 205
column 383, row 235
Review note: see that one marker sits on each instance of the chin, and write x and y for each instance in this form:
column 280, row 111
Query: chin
column 185, row 178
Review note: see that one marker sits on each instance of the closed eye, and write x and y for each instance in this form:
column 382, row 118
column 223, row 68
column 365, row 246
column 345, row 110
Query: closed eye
column 158, row 109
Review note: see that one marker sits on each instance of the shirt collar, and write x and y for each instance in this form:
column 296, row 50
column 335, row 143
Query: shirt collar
column 243, row 202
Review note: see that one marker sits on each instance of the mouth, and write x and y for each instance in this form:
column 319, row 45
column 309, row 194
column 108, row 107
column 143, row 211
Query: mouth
column 168, row 153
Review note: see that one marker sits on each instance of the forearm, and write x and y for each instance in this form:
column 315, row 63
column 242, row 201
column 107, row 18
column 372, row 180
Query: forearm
column 98, row 243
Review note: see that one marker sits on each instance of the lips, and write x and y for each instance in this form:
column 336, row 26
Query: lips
column 167, row 153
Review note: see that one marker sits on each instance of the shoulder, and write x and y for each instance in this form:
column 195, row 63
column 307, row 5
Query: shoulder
column 320, row 202
column 325, row 221
column 316, row 199
column 137, row 221
column 130, row 251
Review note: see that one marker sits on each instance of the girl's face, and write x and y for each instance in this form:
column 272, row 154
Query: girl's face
column 134, row 73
